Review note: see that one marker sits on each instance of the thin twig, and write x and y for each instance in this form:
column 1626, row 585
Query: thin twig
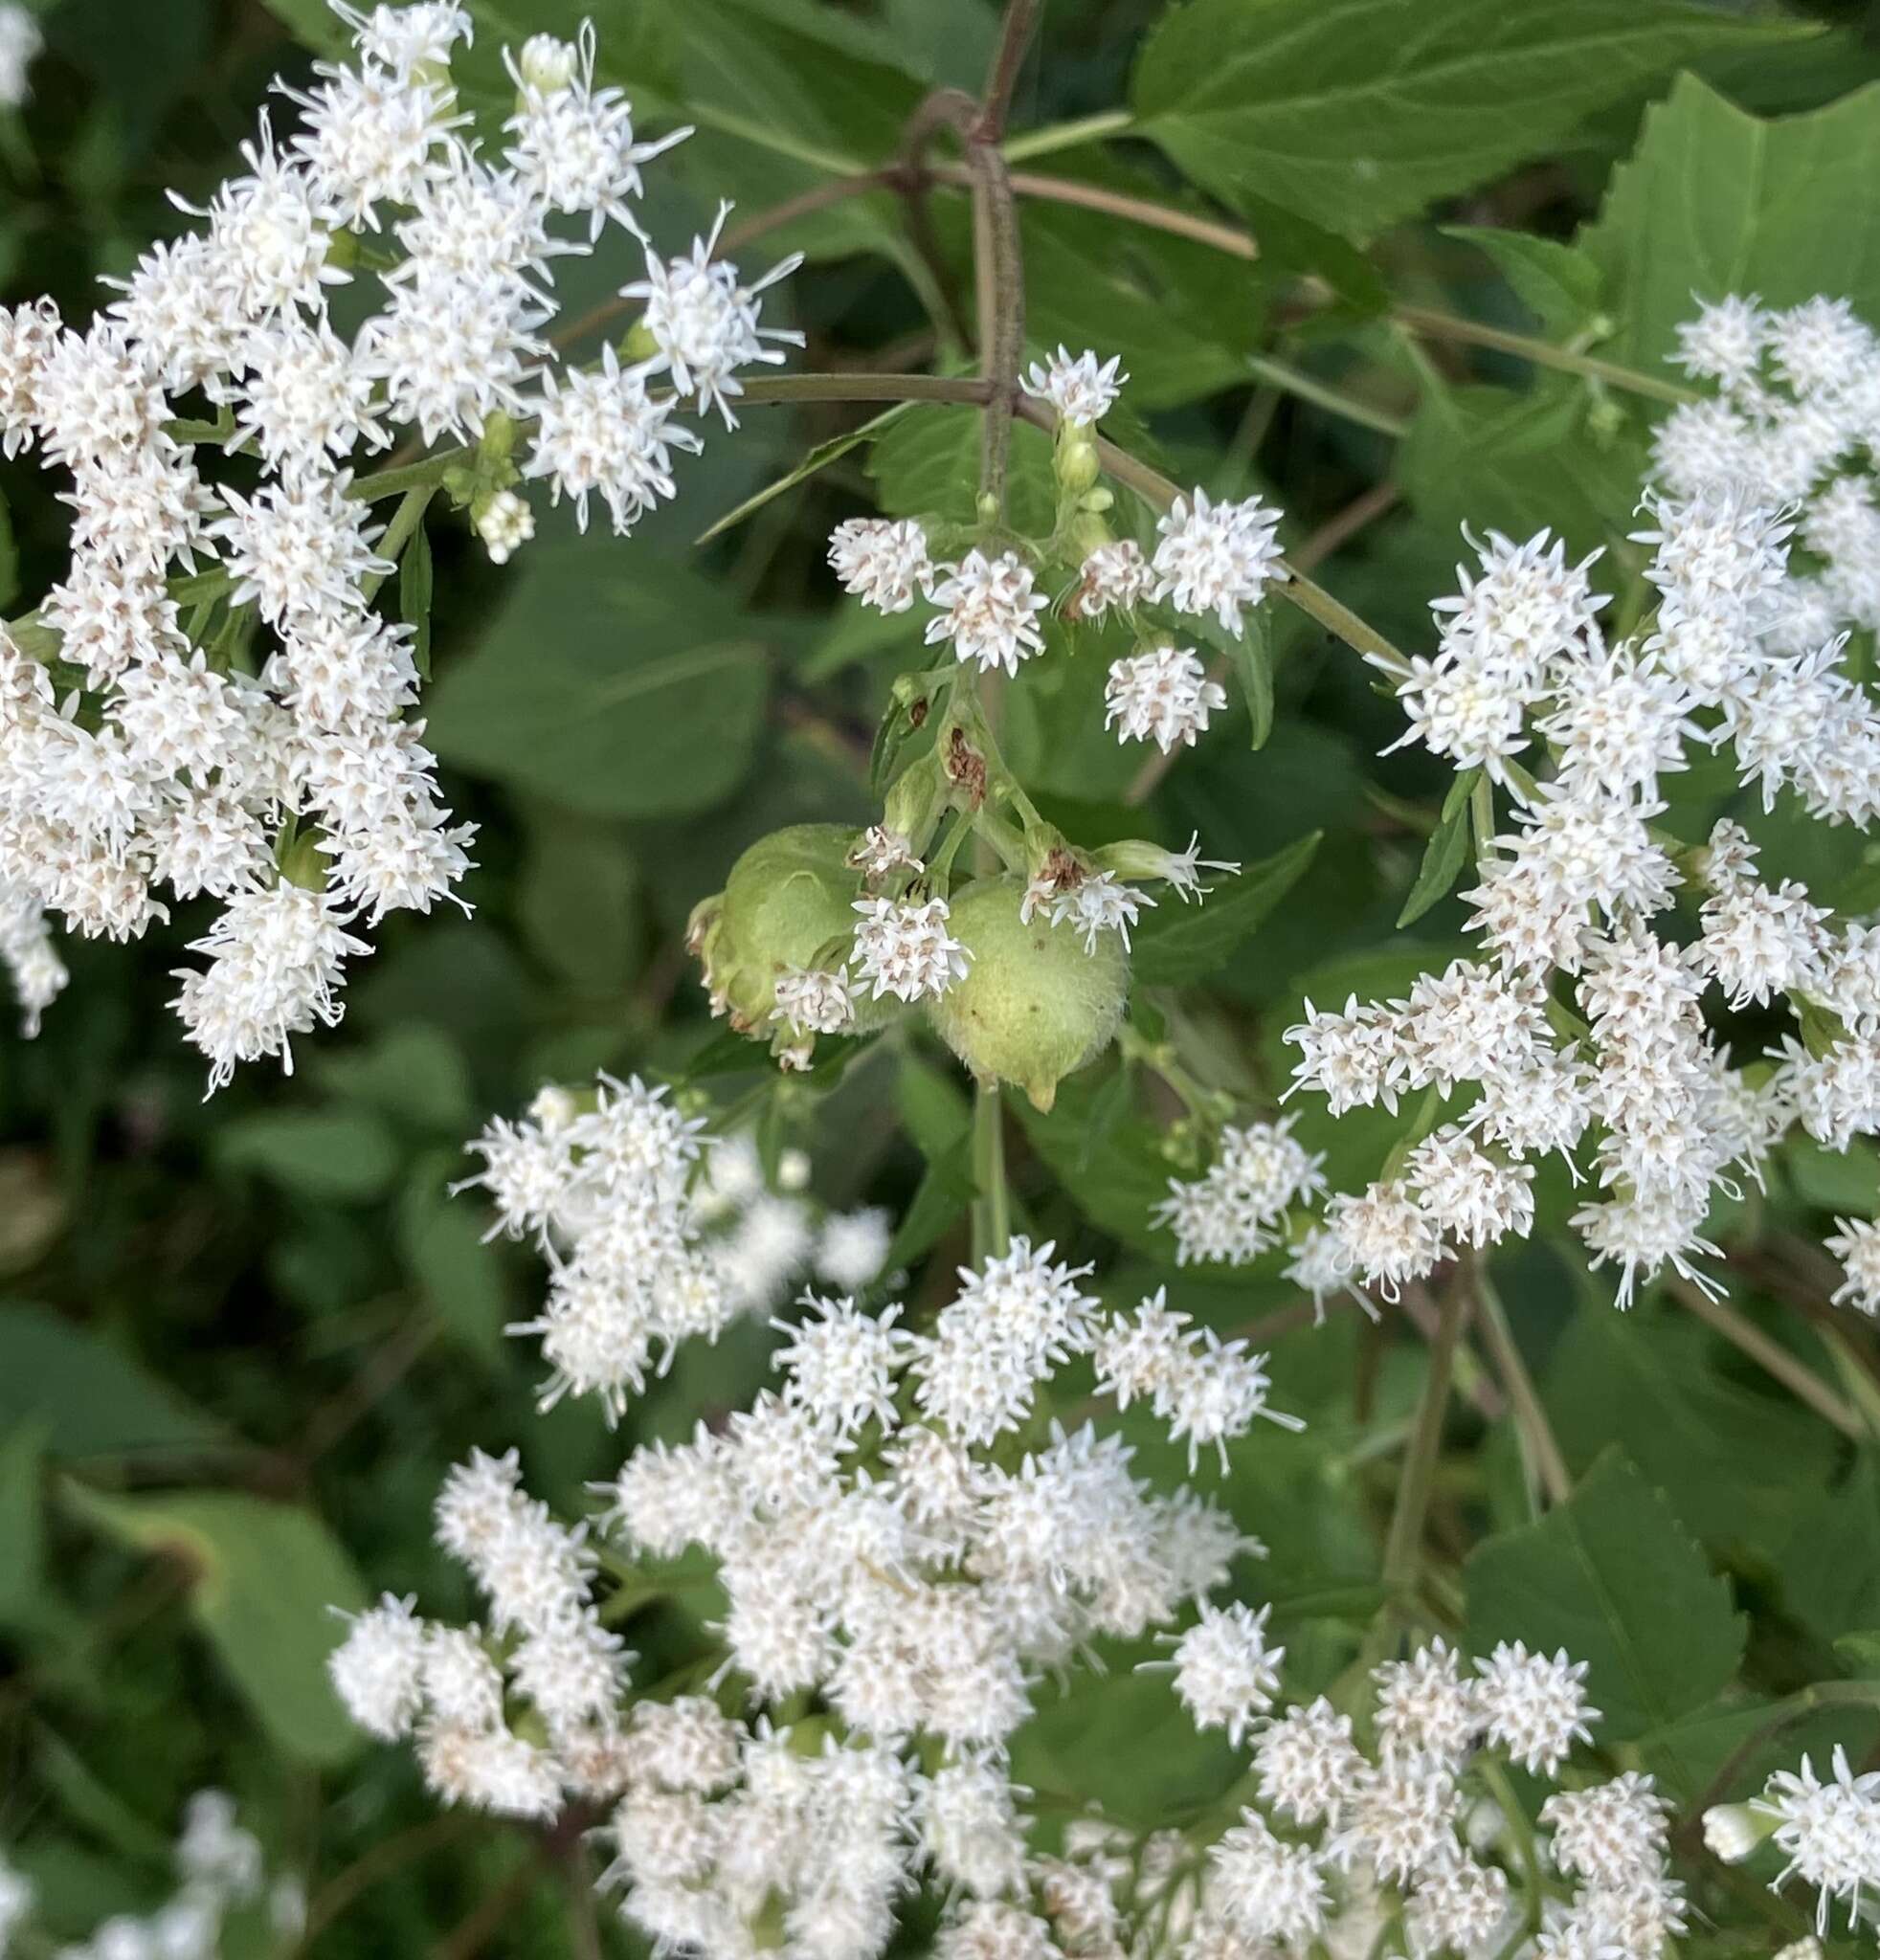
column 1771, row 1356
column 1538, row 1442
column 1404, row 1541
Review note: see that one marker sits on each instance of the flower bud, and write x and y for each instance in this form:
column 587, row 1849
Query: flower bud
column 504, row 522
column 548, row 64
column 1731, row 1830
column 1075, row 462
column 787, row 900
column 1033, row 1006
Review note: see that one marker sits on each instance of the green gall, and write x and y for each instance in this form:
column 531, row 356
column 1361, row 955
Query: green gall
column 1034, row 1007
column 788, row 903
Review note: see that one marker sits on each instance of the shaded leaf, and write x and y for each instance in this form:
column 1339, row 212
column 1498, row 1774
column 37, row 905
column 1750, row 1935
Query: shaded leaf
column 441, row 1240
column 611, row 683
column 96, row 1400
column 1559, row 283
column 22, row 1515
column 939, row 1202
column 1446, row 853
column 928, row 464
column 264, row 1580
column 818, row 458
column 1177, row 944
column 346, row 1154
column 1612, row 1576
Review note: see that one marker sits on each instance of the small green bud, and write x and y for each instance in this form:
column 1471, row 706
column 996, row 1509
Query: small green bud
column 342, row 249
column 988, row 508
column 304, row 862
column 638, row 343
column 1075, row 460
column 1033, row 1006
column 1097, row 501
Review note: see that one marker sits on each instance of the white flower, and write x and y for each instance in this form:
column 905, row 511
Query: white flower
column 1725, row 342
column 1271, row 1893
column 1225, row 1672
column 1101, row 904
column 1307, row 1763
column 906, row 949
column 1162, row 696
column 505, row 523
column 989, row 611
column 600, row 433
column 1830, row 1830
column 1216, row 557
column 883, row 563
column 21, row 40
column 1082, row 391
column 814, row 1000
column 375, row 1669
column 1533, row 1708
column 853, row 1246
column 1856, row 1243
column 1114, row 574
column 706, row 322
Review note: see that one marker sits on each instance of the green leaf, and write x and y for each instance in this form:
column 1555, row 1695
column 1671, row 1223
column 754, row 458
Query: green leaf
column 22, row 1515
column 414, row 587
column 928, row 464
column 441, row 1240
column 96, row 1400
column 940, row 1200
column 1559, row 283
column 579, row 900
column 265, row 1579
column 1830, row 1564
column 1612, row 1576
column 818, row 458
column 1113, row 1171
column 1356, row 113
column 1292, row 244
column 1737, row 1464
column 1179, row 943
column 1446, row 853
column 1490, row 457
column 345, row 1154
column 1846, row 1181
column 1860, row 1653
column 412, row 1073
column 1715, row 201
column 612, row 682
column 933, row 1107
column 1253, row 656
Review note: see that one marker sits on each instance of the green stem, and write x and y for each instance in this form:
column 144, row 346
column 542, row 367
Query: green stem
column 1403, row 1543
column 991, row 1209
column 1547, row 1464
column 1806, row 1702
column 1295, row 381
column 1451, row 326
column 1056, row 136
column 1522, row 1832
column 1801, row 1380
column 399, row 532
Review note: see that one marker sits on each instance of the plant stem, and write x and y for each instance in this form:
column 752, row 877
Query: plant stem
column 1307, row 388
column 1546, row 1463
column 1800, row 1381
column 1403, row 1543
column 1522, row 1832
column 399, row 532
column 991, row 1209
column 1117, row 204
column 1808, row 1701
column 1056, row 136
column 1433, row 325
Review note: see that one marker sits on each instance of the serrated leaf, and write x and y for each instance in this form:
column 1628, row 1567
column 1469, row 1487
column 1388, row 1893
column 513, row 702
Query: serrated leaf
column 1356, row 113
column 98, row 1400
column 1714, row 201
column 1612, row 1577
column 1446, row 853
column 611, row 682
column 818, row 458
column 1559, row 283
column 1178, row 944
column 263, row 1581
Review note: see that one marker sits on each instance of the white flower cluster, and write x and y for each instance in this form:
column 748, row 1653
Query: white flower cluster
column 220, row 1870
column 1343, row 1837
column 1212, row 560
column 888, row 1539
column 1744, row 651
column 209, row 702
column 1828, row 1831
column 654, row 1234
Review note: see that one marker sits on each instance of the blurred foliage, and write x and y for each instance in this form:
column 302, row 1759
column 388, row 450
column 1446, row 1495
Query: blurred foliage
column 244, row 1340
